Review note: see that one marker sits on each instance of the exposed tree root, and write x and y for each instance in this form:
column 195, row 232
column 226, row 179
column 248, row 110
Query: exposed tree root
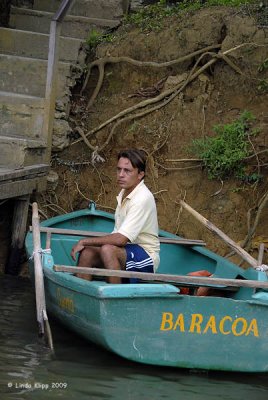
column 100, row 63
column 164, row 97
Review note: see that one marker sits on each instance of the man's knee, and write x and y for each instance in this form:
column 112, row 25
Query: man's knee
column 107, row 250
column 113, row 257
column 88, row 255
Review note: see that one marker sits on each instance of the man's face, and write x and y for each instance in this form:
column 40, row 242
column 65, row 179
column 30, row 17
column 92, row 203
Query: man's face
column 128, row 177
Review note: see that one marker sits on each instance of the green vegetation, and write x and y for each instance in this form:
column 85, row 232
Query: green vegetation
column 264, row 66
column 151, row 17
column 263, row 86
column 95, row 38
column 224, row 154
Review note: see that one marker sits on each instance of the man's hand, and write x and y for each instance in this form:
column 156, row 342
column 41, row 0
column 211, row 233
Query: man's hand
column 76, row 249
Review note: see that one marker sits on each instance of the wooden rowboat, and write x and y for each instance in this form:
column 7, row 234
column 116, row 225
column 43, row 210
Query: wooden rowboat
column 157, row 321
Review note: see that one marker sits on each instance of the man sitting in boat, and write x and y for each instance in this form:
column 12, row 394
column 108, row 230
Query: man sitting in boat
column 134, row 244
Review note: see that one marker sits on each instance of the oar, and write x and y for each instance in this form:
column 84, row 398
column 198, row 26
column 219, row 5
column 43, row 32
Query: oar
column 239, row 250
column 42, row 319
column 74, row 232
column 183, row 280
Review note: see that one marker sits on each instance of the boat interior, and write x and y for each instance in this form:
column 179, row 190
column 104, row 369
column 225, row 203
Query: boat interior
column 60, row 234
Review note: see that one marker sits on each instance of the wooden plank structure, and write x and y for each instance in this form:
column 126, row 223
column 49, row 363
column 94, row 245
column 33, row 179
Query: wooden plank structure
column 19, row 184
column 15, row 182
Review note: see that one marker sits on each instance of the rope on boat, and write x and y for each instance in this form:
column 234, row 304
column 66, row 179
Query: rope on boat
column 262, row 268
column 40, row 251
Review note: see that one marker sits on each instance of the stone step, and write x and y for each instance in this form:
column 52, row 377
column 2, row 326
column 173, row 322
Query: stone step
column 17, row 152
column 73, row 26
column 21, row 115
column 35, row 45
column 110, row 9
column 25, row 75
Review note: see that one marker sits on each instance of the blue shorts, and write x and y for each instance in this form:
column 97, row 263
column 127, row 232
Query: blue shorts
column 138, row 261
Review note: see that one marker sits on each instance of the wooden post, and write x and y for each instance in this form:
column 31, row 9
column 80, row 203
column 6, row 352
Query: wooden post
column 41, row 313
column 19, row 224
column 261, row 253
column 239, row 250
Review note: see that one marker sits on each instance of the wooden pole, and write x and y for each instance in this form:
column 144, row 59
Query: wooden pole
column 74, row 232
column 239, row 250
column 183, row 280
column 261, row 253
column 41, row 313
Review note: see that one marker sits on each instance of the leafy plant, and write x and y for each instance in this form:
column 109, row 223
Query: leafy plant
column 224, row 154
column 151, row 17
column 263, row 86
column 95, row 38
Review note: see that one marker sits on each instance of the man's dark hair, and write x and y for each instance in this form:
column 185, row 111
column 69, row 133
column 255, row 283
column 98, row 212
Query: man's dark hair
column 136, row 157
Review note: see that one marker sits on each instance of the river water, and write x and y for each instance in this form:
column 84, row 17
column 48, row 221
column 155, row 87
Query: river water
column 79, row 370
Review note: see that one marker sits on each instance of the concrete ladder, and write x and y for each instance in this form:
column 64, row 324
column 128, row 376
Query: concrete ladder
column 23, row 70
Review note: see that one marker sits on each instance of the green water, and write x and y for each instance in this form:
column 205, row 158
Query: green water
column 80, row 370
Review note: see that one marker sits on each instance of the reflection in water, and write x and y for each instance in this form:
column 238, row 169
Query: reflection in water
column 80, row 370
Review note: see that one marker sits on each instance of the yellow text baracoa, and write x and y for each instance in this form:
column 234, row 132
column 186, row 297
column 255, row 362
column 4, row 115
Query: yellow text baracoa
column 199, row 324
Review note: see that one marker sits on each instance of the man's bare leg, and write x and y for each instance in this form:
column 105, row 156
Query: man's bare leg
column 89, row 258
column 113, row 257
column 106, row 256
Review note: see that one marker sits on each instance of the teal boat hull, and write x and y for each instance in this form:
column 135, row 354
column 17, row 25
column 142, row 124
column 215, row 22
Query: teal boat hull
column 154, row 323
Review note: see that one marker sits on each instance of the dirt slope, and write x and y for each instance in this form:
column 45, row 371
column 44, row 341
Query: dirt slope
column 217, row 96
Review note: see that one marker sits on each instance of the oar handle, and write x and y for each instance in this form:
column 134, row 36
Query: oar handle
column 239, row 250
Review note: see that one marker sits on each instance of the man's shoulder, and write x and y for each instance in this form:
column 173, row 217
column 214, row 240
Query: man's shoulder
column 143, row 195
column 142, row 188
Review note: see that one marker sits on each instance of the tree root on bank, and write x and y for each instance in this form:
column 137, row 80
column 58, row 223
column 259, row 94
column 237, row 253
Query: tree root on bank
column 101, row 63
column 163, row 98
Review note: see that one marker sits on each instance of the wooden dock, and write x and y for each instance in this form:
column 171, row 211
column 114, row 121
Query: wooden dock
column 22, row 181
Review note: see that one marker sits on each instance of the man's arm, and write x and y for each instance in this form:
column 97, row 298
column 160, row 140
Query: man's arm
column 115, row 239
